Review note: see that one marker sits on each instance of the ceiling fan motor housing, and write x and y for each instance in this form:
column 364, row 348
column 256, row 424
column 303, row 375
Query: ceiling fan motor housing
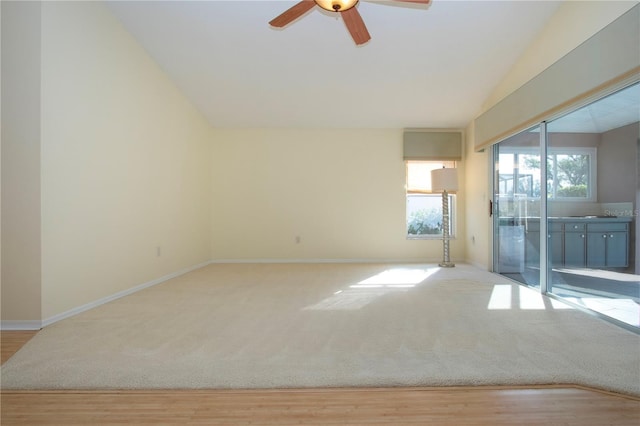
column 336, row 5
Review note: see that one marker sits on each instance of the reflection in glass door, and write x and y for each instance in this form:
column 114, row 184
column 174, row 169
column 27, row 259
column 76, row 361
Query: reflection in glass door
column 516, row 209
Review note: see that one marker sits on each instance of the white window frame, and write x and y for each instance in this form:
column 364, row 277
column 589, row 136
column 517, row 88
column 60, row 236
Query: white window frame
column 592, row 152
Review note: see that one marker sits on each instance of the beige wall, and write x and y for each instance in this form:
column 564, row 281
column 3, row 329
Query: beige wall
column 476, row 214
column 20, row 288
column 341, row 191
column 571, row 25
column 125, row 163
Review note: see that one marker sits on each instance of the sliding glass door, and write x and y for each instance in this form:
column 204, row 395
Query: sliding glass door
column 592, row 200
column 517, row 207
column 578, row 208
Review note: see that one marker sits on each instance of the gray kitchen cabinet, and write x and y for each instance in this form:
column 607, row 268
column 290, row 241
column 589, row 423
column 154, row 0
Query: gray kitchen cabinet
column 532, row 245
column 590, row 243
column 607, row 245
column 556, row 244
column 575, row 245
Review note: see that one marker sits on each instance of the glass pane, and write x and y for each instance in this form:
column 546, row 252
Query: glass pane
column 592, row 206
column 424, row 215
column 572, row 175
column 571, row 171
column 517, row 207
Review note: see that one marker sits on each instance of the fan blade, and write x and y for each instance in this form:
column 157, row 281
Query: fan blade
column 355, row 25
column 293, row 13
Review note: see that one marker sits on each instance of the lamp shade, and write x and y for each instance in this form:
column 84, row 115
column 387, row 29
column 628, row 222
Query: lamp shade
column 444, row 180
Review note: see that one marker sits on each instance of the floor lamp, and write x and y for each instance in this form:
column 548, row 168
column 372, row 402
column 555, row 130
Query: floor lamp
column 445, row 181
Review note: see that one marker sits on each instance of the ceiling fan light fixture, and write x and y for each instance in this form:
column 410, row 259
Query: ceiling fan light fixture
column 336, row 5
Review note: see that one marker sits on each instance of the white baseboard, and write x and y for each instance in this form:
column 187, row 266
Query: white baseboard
column 20, row 325
column 118, row 295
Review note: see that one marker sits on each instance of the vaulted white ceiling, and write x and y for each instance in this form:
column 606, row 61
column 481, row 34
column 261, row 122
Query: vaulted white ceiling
column 424, row 66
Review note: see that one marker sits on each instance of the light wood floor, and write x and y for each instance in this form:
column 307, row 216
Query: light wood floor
column 568, row 405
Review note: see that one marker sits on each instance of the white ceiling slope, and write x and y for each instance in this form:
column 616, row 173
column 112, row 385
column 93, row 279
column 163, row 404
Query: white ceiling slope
column 424, row 66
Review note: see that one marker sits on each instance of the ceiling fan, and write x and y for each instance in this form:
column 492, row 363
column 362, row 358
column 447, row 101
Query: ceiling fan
column 346, row 8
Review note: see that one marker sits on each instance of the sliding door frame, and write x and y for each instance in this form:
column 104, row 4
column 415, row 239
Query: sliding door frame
column 544, row 233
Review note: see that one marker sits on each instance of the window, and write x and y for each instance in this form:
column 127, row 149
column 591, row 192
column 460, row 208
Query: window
column 571, row 174
column 424, row 209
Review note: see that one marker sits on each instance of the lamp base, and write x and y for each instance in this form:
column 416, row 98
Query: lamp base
column 446, row 265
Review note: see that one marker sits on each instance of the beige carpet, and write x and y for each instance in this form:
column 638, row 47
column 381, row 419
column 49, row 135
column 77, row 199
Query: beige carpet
column 315, row 325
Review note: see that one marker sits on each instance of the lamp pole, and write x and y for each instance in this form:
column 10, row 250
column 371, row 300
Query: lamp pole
column 445, row 231
column 445, row 180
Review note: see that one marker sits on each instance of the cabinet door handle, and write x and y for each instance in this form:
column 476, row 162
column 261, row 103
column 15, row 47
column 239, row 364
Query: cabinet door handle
column 582, row 236
column 604, row 236
column 611, row 236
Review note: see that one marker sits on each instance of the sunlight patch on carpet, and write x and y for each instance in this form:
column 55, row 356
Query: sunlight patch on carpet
column 356, row 296
column 399, row 276
column 503, row 298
